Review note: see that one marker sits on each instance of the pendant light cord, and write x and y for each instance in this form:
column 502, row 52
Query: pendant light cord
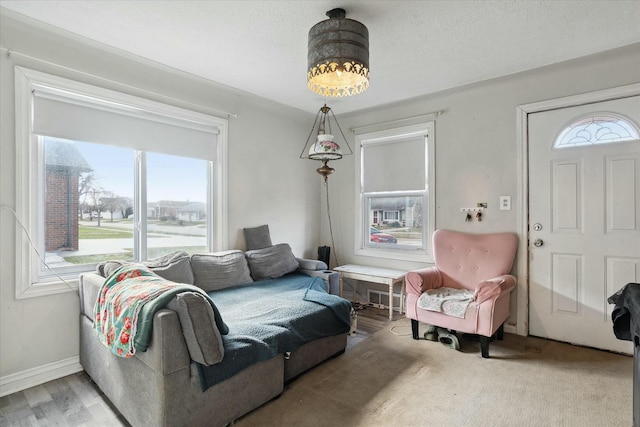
column 333, row 243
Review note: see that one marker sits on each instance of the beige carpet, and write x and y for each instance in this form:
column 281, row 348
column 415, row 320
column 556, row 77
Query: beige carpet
column 392, row 380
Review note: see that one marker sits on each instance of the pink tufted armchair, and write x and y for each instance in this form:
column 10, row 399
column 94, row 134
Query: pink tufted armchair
column 478, row 262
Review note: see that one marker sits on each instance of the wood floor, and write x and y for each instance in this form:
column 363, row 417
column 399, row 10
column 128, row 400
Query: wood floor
column 371, row 320
column 76, row 401
column 73, row 400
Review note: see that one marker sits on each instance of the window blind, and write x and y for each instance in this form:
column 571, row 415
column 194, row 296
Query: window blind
column 165, row 129
column 398, row 165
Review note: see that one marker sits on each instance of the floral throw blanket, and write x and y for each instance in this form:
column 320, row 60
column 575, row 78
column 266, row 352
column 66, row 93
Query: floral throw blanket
column 450, row 301
column 121, row 299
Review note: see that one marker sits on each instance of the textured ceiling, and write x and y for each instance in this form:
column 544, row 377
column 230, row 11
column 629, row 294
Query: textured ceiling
column 416, row 47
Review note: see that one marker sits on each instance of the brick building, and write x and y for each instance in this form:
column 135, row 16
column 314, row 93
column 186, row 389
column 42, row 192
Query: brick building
column 63, row 166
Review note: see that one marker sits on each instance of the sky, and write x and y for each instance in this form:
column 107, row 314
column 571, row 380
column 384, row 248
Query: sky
column 168, row 177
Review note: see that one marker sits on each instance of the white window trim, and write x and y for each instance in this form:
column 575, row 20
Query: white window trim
column 422, row 129
column 27, row 174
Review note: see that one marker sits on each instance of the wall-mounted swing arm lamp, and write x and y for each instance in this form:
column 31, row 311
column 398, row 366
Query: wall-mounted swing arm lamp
column 321, row 144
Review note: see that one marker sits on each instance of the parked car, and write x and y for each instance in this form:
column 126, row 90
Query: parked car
column 377, row 236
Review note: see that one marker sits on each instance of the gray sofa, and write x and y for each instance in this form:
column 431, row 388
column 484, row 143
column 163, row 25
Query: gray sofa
column 162, row 386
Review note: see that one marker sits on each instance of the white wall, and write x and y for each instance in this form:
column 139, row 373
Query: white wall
column 477, row 146
column 264, row 144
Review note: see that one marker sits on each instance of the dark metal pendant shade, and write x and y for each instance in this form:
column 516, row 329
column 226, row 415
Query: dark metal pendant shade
column 338, row 56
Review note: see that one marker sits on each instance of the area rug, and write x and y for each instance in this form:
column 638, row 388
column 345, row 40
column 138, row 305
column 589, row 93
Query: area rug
column 389, row 379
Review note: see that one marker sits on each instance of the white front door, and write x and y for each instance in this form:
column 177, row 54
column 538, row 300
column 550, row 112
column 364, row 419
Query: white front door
column 584, row 221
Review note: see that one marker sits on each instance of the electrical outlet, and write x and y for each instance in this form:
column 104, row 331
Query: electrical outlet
column 505, row 203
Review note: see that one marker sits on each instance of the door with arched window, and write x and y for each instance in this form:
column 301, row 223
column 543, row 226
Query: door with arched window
column 584, row 218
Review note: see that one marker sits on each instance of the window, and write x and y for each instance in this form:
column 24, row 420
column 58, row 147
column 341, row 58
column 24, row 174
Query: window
column 176, row 204
column 87, row 204
column 391, row 216
column 396, row 176
column 604, row 128
column 105, row 175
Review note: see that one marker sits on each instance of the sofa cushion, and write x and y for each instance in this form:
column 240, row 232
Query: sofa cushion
column 175, row 266
column 220, row 270
column 257, row 237
column 199, row 327
column 105, row 268
column 272, row 262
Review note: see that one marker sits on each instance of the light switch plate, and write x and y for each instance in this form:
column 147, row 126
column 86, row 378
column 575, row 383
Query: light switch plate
column 505, row 203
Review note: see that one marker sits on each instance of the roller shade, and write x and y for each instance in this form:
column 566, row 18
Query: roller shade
column 168, row 130
column 398, row 165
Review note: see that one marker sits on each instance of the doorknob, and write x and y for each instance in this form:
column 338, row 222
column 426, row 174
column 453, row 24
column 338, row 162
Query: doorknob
column 538, row 242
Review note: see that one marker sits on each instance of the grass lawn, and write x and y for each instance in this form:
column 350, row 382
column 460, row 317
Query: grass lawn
column 152, row 253
column 103, row 233
column 94, row 259
column 157, row 252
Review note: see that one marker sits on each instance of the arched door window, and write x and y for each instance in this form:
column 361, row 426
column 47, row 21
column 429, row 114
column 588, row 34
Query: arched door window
column 600, row 128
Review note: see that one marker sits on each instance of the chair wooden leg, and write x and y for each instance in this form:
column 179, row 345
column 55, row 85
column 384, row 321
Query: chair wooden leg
column 500, row 333
column 414, row 328
column 484, row 346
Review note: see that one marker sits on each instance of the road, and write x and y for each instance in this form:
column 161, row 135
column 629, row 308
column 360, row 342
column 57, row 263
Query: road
column 160, row 236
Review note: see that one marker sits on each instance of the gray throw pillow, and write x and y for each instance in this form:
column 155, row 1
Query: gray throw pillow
column 175, row 266
column 271, row 263
column 257, row 237
column 220, row 270
column 198, row 327
column 106, row 268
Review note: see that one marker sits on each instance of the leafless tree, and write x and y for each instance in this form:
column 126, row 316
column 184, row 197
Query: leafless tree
column 110, row 202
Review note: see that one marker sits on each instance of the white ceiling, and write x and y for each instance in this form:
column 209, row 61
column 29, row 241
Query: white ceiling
column 416, row 47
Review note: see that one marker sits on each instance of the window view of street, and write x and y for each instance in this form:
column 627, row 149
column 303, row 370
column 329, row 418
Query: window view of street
column 89, row 203
column 395, row 220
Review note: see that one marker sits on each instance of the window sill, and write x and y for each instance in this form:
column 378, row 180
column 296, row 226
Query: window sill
column 418, row 256
column 48, row 288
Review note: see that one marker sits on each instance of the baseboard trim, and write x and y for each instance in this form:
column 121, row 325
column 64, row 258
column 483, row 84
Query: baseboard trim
column 510, row 329
column 35, row 376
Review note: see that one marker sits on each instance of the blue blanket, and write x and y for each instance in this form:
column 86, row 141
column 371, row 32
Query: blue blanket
column 270, row 317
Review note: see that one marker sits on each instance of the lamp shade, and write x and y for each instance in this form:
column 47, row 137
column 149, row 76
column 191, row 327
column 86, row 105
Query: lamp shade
column 325, row 148
column 338, row 56
column 321, row 144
